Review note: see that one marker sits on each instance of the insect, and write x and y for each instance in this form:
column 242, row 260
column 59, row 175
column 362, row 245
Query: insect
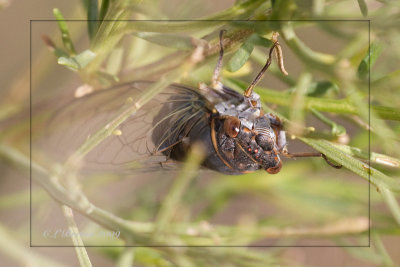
column 238, row 136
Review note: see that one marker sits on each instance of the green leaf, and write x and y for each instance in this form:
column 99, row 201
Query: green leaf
column 257, row 40
column 240, row 57
column 58, row 52
column 380, row 247
column 92, row 17
column 66, row 39
column 321, row 88
column 363, row 7
column 85, row 58
column 69, row 62
column 180, row 42
column 372, row 156
column 77, row 62
column 105, row 4
column 377, row 178
column 369, row 60
column 387, row 113
column 283, row 9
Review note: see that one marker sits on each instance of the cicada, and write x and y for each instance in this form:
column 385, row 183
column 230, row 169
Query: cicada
column 237, row 134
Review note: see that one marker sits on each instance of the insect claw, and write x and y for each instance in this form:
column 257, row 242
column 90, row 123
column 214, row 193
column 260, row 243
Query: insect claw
column 330, row 163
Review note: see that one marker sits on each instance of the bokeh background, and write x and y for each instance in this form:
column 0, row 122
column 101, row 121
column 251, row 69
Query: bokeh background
column 307, row 204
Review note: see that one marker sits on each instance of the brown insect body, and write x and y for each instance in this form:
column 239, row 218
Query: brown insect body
column 236, row 134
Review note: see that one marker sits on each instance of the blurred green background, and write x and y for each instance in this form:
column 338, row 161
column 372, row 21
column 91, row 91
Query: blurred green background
column 325, row 102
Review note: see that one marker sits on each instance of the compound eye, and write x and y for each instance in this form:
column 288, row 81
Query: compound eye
column 232, row 126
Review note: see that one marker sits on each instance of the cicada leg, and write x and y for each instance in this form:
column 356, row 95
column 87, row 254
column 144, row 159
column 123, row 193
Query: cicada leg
column 275, row 121
column 215, row 78
column 310, row 155
column 280, row 134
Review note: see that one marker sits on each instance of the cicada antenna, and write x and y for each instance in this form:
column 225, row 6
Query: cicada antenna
column 278, row 50
column 311, row 155
column 218, row 67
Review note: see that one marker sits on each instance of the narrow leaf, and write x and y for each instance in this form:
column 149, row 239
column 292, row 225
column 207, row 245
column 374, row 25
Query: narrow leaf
column 321, row 88
column 257, row 40
column 92, row 17
column 85, row 58
column 362, row 169
column 240, row 57
column 374, row 157
column 363, row 7
column 66, row 39
column 105, row 4
column 68, row 62
column 78, row 62
column 369, row 60
column 168, row 40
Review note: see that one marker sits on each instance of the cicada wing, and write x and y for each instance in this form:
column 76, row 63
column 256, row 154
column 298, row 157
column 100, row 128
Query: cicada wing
column 140, row 141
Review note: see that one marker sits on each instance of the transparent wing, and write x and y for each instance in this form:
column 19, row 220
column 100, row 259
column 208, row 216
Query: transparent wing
column 140, row 141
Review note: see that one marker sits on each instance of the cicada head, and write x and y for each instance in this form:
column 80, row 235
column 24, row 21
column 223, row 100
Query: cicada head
column 246, row 139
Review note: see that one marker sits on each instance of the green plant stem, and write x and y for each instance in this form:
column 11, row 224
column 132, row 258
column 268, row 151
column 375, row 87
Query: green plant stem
column 127, row 258
column 138, row 232
column 81, row 252
column 336, row 129
column 21, row 252
column 391, row 201
column 188, row 172
column 386, row 260
column 297, row 102
column 307, row 55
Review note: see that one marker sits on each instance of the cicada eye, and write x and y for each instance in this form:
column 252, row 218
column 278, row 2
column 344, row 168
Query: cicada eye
column 232, row 126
